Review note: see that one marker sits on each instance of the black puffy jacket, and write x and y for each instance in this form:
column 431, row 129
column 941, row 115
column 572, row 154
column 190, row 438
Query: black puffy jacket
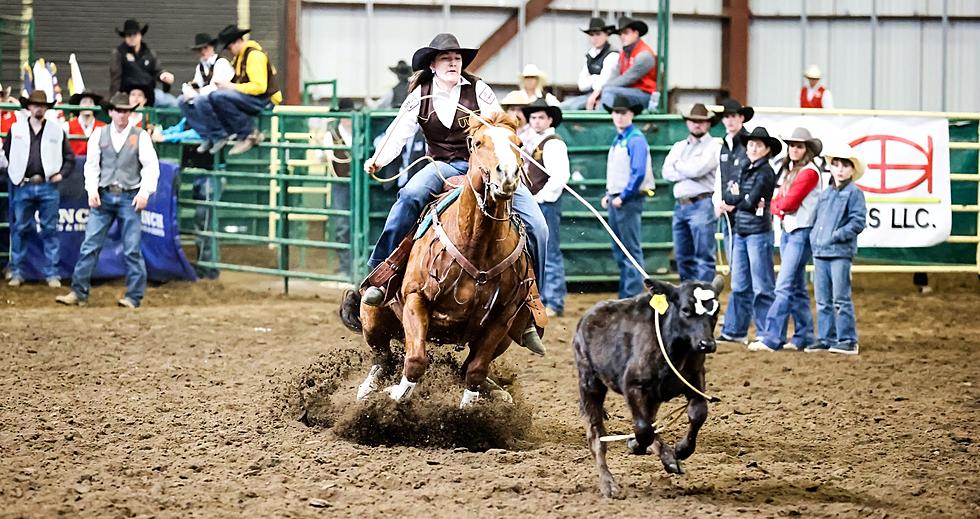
column 756, row 184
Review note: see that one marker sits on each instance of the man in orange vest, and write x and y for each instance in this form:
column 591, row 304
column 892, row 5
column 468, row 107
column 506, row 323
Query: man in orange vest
column 636, row 77
column 7, row 117
column 813, row 94
column 84, row 122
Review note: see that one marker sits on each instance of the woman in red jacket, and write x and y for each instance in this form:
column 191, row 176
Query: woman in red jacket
column 794, row 203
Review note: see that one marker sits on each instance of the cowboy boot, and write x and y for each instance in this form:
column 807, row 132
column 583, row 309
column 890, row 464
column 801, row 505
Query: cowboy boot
column 532, row 341
column 373, row 296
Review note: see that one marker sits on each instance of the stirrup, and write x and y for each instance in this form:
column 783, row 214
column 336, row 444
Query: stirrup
column 532, row 341
column 373, row 296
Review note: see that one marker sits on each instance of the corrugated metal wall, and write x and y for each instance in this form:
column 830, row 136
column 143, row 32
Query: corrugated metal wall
column 88, row 28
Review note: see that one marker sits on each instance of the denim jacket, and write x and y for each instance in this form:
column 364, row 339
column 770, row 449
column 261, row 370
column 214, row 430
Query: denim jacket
column 841, row 216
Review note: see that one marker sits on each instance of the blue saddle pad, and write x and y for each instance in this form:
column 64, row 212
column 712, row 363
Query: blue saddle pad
column 443, row 204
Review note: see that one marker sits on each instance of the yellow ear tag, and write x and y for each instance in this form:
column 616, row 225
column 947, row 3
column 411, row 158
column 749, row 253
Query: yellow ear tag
column 659, row 303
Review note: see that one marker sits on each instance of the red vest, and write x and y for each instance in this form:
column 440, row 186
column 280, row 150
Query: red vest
column 80, row 147
column 647, row 83
column 7, row 120
column 816, row 102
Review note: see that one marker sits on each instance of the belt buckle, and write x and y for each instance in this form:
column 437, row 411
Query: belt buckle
column 115, row 189
column 36, row 179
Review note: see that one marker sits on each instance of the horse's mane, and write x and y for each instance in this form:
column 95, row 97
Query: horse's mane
column 495, row 119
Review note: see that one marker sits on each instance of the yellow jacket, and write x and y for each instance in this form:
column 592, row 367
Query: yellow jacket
column 254, row 79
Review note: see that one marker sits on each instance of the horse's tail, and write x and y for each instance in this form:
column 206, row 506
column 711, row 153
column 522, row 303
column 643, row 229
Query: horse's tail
column 350, row 310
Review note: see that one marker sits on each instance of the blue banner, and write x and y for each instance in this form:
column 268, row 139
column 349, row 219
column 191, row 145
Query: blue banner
column 160, row 242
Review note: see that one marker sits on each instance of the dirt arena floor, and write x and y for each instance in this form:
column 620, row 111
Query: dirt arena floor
column 182, row 409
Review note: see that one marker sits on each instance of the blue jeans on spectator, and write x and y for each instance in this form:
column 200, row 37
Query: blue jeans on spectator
column 115, row 207
column 201, row 117
column 45, row 199
column 753, row 282
column 234, row 111
column 577, row 102
column 625, row 224
column 792, row 299
column 427, row 183
column 340, row 225
column 553, row 290
column 835, row 310
column 634, row 96
column 163, row 99
column 694, row 240
column 206, row 188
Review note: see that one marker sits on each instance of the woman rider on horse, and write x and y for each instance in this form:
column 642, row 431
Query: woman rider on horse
column 440, row 73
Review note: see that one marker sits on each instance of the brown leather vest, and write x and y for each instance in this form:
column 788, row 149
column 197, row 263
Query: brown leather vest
column 536, row 175
column 447, row 144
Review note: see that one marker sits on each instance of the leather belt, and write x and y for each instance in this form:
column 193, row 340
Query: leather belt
column 117, row 189
column 692, row 199
column 33, row 179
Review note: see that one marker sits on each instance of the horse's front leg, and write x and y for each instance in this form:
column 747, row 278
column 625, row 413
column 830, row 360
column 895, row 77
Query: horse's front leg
column 379, row 326
column 415, row 319
column 483, row 350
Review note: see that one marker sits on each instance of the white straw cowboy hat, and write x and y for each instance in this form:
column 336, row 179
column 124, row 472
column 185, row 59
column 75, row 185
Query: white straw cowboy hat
column 515, row 98
column 845, row 151
column 812, row 72
column 802, row 135
column 532, row 70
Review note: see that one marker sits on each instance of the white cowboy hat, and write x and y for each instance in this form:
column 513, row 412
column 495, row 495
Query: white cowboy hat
column 532, row 70
column 516, row 98
column 812, row 72
column 842, row 150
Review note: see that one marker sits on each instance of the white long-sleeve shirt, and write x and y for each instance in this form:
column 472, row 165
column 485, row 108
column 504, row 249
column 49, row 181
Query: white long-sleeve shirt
column 827, row 101
column 691, row 164
column 554, row 156
column 149, row 174
column 443, row 102
column 591, row 82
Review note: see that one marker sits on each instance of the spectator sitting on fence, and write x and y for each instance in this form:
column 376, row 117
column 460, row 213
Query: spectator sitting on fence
column 39, row 157
column 600, row 64
column 138, row 98
column 133, row 64
column 841, row 216
column 794, row 203
column 692, row 165
column 255, row 87
column 210, row 69
column 396, row 96
column 82, row 124
column 533, row 83
column 636, row 76
column 753, row 276
column 7, row 117
column 514, row 103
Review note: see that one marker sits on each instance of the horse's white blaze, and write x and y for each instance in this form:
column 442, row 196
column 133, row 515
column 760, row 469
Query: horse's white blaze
column 402, row 390
column 469, row 398
column 370, row 384
column 506, row 157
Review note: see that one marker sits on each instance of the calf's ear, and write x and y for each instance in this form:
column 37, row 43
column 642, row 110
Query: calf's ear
column 655, row 286
column 718, row 285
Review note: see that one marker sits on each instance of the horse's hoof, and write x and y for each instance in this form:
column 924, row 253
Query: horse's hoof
column 469, row 398
column 370, row 384
column 402, row 391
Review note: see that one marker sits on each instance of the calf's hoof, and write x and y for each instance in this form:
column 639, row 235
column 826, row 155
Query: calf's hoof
column 635, row 448
column 673, row 467
column 609, row 488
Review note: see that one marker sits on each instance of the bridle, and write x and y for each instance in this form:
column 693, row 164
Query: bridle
column 487, row 185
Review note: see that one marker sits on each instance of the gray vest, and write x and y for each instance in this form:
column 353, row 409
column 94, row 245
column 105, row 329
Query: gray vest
column 618, row 168
column 120, row 167
column 807, row 213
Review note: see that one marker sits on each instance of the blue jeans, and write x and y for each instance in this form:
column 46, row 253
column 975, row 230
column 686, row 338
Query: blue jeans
column 625, row 223
column 206, row 188
column 45, row 199
column 753, row 282
column 553, row 290
column 835, row 311
column 234, row 112
column 634, row 96
column 792, row 299
column 163, row 99
column 201, row 117
column 576, row 102
column 115, row 207
column 427, row 183
column 694, row 240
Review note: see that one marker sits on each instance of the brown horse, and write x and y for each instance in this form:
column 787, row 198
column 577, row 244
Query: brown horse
column 468, row 277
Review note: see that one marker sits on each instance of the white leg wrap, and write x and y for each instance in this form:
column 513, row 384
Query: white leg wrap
column 402, row 390
column 469, row 398
column 370, row 384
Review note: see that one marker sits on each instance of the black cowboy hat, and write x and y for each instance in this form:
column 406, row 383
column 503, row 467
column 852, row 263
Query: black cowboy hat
column 775, row 146
column 119, row 101
column 401, row 69
column 699, row 112
column 539, row 105
column 132, row 27
column 203, row 39
column 441, row 43
column 77, row 98
column 37, row 97
column 621, row 103
column 598, row 24
column 638, row 25
column 731, row 106
column 230, row 34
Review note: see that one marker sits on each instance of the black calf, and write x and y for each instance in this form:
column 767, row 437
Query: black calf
column 616, row 348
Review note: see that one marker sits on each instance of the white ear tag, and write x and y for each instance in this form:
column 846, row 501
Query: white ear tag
column 702, row 295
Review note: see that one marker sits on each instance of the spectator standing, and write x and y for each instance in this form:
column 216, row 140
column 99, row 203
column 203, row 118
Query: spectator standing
column 210, row 69
column 692, row 165
column 600, row 64
column 38, row 157
column 396, row 96
column 547, row 148
column 753, row 276
column 254, row 88
column 514, row 103
column 813, row 94
column 533, row 82
column 629, row 174
column 82, row 124
column 841, row 216
column 133, row 64
column 121, row 172
column 794, row 203
column 636, row 76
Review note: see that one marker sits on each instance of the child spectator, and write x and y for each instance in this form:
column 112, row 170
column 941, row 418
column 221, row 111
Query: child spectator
column 841, row 216
column 752, row 269
column 794, row 203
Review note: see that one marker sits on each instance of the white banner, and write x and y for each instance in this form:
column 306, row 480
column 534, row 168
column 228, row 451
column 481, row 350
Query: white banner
column 906, row 177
